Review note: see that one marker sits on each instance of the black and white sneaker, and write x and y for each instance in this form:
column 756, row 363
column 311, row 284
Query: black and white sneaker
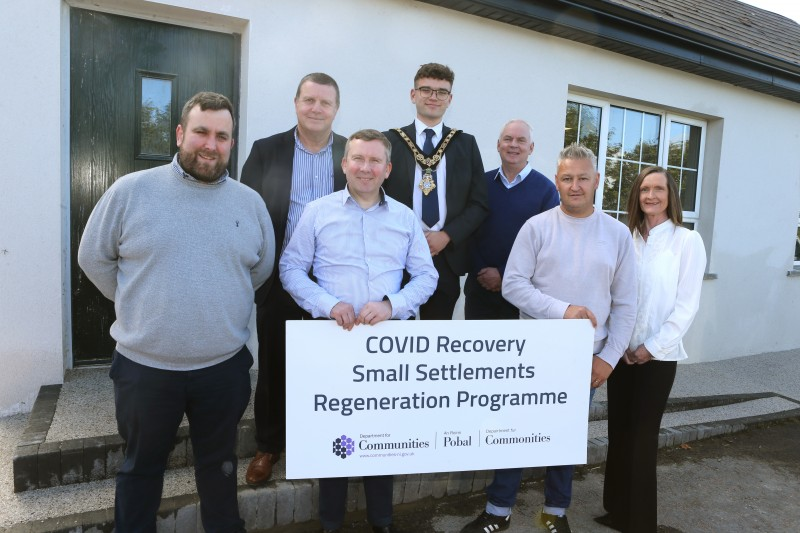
column 553, row 523
column 487, row 523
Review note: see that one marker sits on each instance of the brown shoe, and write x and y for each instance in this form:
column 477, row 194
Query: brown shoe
column 260, row 469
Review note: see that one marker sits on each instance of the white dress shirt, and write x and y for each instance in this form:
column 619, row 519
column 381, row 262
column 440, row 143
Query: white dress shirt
column 671, row 264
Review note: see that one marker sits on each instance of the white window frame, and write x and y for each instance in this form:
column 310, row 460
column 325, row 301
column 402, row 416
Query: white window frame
column 667, row 117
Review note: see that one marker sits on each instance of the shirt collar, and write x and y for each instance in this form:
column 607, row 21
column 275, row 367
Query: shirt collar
column 299, row 144
column 178, row 169
column 421, row 127
column 663, row 227
column 346, row 195
column 516, row 179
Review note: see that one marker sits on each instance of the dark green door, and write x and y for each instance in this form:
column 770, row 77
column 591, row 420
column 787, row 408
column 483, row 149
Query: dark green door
column 128, row 80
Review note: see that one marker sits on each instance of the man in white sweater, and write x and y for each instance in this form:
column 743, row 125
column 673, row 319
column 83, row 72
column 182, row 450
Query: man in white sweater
column 571, row 262
column 180, row 249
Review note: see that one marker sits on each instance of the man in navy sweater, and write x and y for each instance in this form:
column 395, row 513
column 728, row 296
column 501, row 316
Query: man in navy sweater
column 516, row 193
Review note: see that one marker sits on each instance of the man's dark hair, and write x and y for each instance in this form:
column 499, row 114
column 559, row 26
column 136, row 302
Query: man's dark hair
column 320, row 78
column 435, row 71
column 207, row 101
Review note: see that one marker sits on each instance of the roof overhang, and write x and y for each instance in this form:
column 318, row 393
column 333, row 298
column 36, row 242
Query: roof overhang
column 637, row 34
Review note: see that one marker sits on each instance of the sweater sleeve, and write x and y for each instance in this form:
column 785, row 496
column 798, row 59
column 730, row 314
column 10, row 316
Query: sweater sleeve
column 98, row 252
column 623, row 303
column 262, row 270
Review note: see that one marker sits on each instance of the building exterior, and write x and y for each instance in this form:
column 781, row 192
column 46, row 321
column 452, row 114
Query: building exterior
column 709, row 88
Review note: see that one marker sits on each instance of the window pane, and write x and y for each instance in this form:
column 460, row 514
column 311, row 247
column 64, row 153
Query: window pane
column 629, row 173
column 156, row 126
column 797, row 243
column 688, row 189
column 650, row 133
column 632, row 135
column 582, row 125
column 589, row 133
column 691, row 156
column 571, row 124
column 611, row 185
column 615, row 132
column 683, row 161
column 676, row 144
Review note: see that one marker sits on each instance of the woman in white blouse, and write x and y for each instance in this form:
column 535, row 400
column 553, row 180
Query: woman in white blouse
column 671, row 261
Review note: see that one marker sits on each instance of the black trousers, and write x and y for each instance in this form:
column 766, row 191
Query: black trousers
column 442, row 302
column 150, row 404
column 637, row 396
column 333, row 500
column 269, row 402
column 480, row 304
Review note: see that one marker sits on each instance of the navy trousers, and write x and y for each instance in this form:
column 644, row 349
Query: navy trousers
column 150, row 404
column 333, row 500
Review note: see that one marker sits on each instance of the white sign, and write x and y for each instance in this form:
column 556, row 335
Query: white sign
column 418, row 396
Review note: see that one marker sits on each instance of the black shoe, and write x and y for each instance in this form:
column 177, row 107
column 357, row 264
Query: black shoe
column 608, row 521
column 487, row 523
column 337, row 530
column 553, row 523
column 384, row 529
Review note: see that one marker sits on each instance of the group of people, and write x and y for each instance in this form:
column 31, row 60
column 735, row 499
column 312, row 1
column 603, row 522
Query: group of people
column 387, row 223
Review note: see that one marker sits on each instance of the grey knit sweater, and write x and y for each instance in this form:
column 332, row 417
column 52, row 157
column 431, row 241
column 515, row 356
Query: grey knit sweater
column 181, row 260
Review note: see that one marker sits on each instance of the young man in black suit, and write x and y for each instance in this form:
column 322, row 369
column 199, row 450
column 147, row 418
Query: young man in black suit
column 289, row 170
column 438, row 172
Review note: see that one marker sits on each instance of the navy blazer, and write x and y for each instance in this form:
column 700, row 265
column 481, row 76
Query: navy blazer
column 268, row 170
column 467, row 198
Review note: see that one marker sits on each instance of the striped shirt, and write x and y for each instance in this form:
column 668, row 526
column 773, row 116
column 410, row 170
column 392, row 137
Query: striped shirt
column 312, row 178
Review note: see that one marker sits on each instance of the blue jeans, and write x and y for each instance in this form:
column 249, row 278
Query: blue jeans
column 502, row 493
column 150, row 404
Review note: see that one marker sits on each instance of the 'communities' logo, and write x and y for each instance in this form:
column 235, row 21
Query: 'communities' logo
column 343, row 446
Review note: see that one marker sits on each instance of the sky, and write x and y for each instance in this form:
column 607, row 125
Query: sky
column 787, row 8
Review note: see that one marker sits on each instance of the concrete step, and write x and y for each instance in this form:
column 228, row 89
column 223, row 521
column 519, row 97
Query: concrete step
column 39, row 463
column 88, row 506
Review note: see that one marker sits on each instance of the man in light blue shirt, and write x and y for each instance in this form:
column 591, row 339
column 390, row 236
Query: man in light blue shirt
column 358, row 242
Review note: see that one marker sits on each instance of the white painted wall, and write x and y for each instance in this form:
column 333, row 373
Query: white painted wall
column 373, row 49
column 31, row 244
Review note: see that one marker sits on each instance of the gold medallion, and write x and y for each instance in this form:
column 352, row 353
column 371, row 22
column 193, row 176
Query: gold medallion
column 426, row 184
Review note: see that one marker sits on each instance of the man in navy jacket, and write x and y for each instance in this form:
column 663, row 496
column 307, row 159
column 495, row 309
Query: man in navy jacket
column 289, row 170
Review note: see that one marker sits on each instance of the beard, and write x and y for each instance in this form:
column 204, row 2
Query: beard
column 201, row 169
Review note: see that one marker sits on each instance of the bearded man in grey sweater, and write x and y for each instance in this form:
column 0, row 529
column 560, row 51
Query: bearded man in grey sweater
column 180, row 249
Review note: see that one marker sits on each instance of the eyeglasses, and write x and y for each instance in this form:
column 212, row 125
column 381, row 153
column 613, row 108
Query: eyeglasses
column 426, row 92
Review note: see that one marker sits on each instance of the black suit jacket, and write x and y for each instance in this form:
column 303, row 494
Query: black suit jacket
column 467, row 198
column 268, row 170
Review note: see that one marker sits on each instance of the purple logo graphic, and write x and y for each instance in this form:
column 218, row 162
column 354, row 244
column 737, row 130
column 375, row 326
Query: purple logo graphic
column 343, row 446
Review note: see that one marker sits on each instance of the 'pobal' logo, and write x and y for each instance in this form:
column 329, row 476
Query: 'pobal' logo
column 343, row 446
